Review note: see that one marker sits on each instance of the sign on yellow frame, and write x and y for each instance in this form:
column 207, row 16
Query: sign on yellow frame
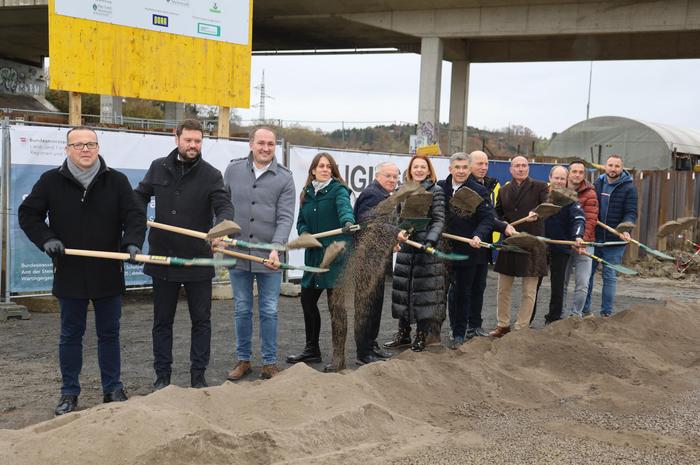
column 99, row 58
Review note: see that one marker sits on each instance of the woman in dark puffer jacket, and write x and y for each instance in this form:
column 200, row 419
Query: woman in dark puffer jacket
column 418, row 293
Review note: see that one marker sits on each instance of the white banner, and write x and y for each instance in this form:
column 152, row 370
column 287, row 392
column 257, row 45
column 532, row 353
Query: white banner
column 36, row 149
column 356, row 168
column 223, row 20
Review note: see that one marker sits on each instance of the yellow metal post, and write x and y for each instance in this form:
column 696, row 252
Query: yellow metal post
column 224, row 117
column 74, row 108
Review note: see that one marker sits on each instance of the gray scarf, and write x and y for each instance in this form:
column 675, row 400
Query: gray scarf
column 84, row 177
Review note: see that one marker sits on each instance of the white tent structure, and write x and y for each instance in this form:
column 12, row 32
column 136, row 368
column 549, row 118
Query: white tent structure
column 643, row 145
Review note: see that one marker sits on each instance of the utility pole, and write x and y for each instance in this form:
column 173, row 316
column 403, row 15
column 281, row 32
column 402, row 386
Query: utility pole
column 263, row 96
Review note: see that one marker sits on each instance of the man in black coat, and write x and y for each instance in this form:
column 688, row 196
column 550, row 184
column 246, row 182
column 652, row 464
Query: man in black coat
column 188, row 193
column 467, row 277
column 368, row 303
column 89, row 206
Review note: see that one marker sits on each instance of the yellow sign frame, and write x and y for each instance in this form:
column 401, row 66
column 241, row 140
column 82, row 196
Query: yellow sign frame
column 99, row 58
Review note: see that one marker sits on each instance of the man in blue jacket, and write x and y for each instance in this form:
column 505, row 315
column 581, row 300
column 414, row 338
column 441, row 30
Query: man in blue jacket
column 617, row 197
column 467, row 277
column 569, row 225
column 368, row 304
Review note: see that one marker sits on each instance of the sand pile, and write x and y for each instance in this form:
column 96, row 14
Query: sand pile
column 572, row 391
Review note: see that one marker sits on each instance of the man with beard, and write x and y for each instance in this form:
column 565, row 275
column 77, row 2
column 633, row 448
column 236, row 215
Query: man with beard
column 580, row 264
column 617, row 198
column 187, row 191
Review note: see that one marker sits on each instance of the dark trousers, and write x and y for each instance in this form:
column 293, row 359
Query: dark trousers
column 368, row 317
column 466, row 298
column 108, row 310
column 537, row 294
column 165, row 296
column 312, row 319
column 557, row 270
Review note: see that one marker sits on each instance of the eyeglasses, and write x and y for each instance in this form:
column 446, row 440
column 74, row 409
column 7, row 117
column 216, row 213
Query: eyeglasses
column 81, row 145
column 390, row 176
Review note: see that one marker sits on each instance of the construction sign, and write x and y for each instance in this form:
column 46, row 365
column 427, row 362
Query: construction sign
column 177, row 51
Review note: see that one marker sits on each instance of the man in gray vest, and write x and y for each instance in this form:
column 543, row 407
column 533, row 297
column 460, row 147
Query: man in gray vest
column 262, row 192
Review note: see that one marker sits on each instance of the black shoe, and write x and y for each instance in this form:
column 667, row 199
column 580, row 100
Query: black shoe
column 197, row 380
column 162, row 381
column 376, row 350
column 402, row 338
column 310, row 354
column 419, row 342
column 66, row 404
column 118, row 395
column 368, row 358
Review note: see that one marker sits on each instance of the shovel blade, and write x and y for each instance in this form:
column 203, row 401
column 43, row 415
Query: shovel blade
column 656, row 253
column 225, row 228
column 450, row 256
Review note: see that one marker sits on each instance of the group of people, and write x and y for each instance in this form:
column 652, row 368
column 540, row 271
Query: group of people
column 92, row 206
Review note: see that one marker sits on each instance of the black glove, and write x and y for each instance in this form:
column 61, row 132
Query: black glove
column 133, row 251
column 347, row 228
column 54, row 248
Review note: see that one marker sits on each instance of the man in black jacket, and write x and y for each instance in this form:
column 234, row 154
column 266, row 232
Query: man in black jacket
column 89, row 206
column 467, row 277
column 368, row 303
column 188, row 192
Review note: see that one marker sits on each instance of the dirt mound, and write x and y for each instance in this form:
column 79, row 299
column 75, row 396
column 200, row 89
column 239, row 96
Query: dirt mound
column 392, row 411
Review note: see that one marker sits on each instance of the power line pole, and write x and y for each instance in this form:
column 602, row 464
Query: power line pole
column 263, row 96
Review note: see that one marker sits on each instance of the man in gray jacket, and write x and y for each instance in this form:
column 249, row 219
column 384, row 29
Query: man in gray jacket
column 263, row 194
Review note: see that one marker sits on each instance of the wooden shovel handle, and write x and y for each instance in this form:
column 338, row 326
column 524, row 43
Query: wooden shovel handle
column 557, row 241
column 456, row 238
column 616, row 232
column 332, row 232
column 177, row 229
column 415, row 244
column 118, row 256
column 590, row 255
column 525, row 219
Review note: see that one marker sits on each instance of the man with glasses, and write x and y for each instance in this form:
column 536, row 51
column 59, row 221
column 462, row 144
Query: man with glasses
column 368, row 303
column 188, row 193
column 89, row 206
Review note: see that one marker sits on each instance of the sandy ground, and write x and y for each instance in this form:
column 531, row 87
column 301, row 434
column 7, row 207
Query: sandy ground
column 624, row 389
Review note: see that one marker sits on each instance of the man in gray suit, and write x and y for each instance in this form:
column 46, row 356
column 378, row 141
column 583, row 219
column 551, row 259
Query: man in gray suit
column 263, row 195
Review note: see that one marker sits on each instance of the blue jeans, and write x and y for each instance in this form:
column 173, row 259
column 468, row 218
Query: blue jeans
column 108, row 310
column 580, row 267
column 612, row 255
column 268, row 295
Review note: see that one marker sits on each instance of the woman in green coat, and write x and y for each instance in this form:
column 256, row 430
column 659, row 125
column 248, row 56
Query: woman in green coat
column 325, row 205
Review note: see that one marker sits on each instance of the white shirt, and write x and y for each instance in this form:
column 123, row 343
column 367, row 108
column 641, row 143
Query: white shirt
column 259, row 171
column 455, row 187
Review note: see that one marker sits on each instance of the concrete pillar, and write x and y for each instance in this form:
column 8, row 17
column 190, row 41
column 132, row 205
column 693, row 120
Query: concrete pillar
column 459, row 99
column 110, row 109
column 429, row 90
column 174, row 111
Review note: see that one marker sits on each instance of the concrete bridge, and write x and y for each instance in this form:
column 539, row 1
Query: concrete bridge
column 459, row 31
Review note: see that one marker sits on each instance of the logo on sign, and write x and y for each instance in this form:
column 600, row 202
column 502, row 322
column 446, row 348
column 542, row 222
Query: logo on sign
column 209, row 29
column 160, row 20
column 215, row 8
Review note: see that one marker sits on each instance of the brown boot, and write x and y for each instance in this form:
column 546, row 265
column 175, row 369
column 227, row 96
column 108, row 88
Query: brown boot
column 241, row 369
column 268, row 371
column 500, row 331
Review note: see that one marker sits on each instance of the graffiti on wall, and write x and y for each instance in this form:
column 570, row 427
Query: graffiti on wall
column 16, row 78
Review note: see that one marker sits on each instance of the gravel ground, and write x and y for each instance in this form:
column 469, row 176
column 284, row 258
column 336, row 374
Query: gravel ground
column 31, row 380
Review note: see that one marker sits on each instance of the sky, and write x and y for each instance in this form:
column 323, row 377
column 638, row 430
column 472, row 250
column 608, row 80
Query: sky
column 365, row 90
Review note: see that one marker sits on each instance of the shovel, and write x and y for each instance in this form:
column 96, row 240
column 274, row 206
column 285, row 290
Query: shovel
column 436, row 252
column 591, row 244
column 154, row 259
column 668, row 228
column 542, row 211
column 465, row 201
column 220, row 231
column 283, row 266
column 618, row 268
column 486, row 245
column 648, row 249
column 307, row 241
